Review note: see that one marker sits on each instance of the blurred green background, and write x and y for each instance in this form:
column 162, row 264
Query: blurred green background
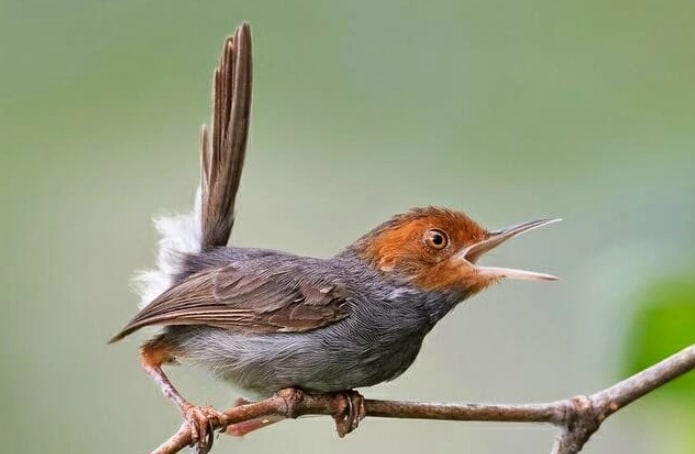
column 509, row 110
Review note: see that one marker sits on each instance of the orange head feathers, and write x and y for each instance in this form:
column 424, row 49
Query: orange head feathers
column 436, row 249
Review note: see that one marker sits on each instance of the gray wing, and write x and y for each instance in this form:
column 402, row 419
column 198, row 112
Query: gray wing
column 256, row 301
column 222, row 157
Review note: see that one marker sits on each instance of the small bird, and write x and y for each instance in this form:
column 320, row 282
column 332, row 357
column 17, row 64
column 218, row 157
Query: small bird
column 267, row 320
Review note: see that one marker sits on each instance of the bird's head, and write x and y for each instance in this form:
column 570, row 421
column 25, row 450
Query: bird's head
column 436, row 249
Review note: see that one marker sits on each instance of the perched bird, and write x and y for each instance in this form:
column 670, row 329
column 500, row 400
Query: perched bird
column 267, row 320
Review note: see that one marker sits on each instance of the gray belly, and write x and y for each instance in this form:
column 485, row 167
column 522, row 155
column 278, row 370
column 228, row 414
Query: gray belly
column 334, row 358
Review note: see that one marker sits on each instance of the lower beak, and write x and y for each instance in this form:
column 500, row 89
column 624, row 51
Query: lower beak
column 473, row 252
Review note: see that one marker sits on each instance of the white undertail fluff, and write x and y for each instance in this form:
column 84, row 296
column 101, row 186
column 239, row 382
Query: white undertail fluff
column 181, row 234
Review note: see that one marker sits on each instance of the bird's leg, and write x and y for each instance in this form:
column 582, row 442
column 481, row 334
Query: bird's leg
column 242, row 428
column 348, row 419
column 155, row 353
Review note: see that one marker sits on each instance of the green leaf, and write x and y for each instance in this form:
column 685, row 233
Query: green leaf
column 664, row 324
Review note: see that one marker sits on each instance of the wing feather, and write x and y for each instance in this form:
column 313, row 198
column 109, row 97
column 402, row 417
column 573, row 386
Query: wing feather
column 256, row 301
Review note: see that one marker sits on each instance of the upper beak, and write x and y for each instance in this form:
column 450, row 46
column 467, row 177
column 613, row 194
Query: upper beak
column 473, row 252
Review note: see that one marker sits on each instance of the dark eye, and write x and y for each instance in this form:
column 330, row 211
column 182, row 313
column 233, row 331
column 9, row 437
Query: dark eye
column 436, row 239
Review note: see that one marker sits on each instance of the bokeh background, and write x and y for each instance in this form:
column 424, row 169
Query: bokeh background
column 508, row 110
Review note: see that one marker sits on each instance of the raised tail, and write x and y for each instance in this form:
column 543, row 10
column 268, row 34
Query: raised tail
column 222, row 158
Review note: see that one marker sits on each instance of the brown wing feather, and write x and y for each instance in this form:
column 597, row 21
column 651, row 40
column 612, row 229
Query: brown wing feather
column 259, row 301
column 222, row 157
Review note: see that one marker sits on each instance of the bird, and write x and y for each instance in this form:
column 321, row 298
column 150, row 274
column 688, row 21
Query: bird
column 265, row 320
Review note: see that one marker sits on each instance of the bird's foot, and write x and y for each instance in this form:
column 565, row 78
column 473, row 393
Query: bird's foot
column 349, row 411
column 202, row 421
column 352, row 411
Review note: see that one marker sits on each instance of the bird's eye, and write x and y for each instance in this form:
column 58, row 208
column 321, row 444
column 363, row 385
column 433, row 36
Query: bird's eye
column 436, row 239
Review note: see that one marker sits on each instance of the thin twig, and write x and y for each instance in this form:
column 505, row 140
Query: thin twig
column 590, row 412
column 579, row 416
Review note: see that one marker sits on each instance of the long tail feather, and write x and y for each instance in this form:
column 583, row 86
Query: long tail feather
column 222, row 158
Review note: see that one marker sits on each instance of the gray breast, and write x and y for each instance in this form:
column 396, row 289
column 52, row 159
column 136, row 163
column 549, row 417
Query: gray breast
column 371, row 346
column 377, row 342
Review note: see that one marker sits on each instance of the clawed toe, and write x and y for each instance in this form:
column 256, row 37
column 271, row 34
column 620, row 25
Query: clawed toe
column 349, row 417
column 200, row 420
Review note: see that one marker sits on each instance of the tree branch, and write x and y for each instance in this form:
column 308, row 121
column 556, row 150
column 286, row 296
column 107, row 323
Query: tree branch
column 579, row 416
column 590, row 412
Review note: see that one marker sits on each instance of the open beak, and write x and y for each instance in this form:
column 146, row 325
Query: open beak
column 473, row 252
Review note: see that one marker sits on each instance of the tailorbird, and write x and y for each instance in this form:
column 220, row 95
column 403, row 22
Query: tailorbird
column 266, row 320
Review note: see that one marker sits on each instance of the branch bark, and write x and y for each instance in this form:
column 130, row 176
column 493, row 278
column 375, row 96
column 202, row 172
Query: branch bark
column 579, row 417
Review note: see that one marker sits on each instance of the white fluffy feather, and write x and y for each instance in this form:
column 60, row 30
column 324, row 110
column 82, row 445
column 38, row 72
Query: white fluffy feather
column 180, row 235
